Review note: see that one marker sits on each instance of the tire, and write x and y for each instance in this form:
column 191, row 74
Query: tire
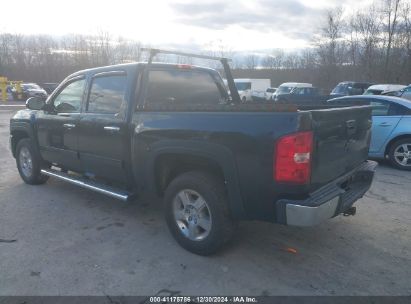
column 214, row 227
column 29, row 163
column 399, row 154
column 244, row 99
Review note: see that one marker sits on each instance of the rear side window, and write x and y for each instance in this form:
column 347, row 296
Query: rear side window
column 397, row 109
column 107, row 94
column 182, row 87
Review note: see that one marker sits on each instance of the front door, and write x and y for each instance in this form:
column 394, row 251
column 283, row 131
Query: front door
column 103, row 128
column 57, row 128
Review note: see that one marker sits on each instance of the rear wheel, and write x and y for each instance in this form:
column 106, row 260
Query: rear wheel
column 197, row 212
column 400, row 154
column 29, row 163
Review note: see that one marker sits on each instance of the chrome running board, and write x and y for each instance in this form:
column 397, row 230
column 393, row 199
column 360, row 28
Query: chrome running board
column 88, row 184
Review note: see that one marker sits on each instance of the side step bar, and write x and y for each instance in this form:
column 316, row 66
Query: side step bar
column 88, row 184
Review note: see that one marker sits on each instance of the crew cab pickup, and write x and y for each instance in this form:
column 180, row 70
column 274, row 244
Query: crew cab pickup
column 174, row 131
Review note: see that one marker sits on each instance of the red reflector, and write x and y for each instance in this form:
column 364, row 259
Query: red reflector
column 292, row 158
column 184, row 66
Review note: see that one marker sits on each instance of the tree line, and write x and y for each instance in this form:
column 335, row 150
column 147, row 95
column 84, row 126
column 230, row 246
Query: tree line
column 371, row 44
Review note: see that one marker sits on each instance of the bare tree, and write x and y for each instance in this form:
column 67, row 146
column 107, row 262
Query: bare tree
column 251, row 61
column 390, row 14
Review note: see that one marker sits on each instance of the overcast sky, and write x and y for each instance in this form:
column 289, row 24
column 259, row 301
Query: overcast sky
column 241, row 25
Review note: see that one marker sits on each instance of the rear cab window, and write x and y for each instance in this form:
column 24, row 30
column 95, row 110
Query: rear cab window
column 183, row 88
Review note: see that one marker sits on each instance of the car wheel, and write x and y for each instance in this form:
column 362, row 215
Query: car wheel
column 29, row 163
column 400, row 154
column 197, row 212
column 244, row 99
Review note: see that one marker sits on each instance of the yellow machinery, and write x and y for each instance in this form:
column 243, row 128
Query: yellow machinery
column 3, row 87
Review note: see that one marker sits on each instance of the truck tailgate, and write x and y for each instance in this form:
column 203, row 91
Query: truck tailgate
column 342, row 137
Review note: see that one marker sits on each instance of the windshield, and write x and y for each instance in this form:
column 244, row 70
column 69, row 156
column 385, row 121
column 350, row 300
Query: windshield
column 242, row 86
column 31, row 86
column 340, row 89
column 284, row 90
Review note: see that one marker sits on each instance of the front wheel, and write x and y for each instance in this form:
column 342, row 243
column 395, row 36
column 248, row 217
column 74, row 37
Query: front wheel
column 400, row 154
column 197, row 212
column 29, row 163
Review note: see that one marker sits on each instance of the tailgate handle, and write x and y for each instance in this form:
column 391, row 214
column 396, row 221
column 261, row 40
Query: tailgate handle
column 69, row 126
column 351, row 126
column 112, row 128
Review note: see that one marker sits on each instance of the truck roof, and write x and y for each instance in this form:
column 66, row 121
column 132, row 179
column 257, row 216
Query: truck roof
column 249, row 79
column 296, row 84
column 134, row 65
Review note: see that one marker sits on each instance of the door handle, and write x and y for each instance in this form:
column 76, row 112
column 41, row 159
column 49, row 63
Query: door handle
column 385, row 124
column 69, row 126
column 112, row 128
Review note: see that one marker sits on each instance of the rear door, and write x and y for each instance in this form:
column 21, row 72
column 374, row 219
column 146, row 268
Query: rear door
column 102, row 128
column 342, row 137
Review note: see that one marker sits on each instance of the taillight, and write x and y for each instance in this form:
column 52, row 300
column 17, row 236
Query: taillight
column 292, row 158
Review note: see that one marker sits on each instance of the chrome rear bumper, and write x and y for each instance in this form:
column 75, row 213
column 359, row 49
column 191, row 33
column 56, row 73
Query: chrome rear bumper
column 328, row 201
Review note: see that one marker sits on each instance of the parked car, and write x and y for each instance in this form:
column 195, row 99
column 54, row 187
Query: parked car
column 269, row 93
column 347, row 88
column 171, row 130
column 287, row 87
column 303, row 96
column 252, row 89
column 391, row 127
column 383, row 89
column 405, row 93
column 30, row 90
column 49, row 87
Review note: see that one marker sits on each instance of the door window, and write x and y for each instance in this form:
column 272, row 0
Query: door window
column 380, row 107
column 107, row 94
column 69, row 99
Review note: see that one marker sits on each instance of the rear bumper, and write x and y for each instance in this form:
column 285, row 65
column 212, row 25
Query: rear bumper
column 328, row 201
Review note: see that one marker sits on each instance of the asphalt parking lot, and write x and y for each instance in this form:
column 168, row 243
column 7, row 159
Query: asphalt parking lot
column 56, row 239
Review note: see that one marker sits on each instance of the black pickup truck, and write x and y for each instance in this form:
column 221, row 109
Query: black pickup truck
column 172, row 130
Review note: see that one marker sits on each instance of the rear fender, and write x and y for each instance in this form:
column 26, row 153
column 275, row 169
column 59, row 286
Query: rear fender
column 216, row 153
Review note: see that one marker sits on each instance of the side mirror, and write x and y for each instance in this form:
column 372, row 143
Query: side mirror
column 35, row 103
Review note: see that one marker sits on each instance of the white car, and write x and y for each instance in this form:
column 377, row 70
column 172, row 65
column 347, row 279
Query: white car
column 378, row 89
column 287, row 87
column 269, row 93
